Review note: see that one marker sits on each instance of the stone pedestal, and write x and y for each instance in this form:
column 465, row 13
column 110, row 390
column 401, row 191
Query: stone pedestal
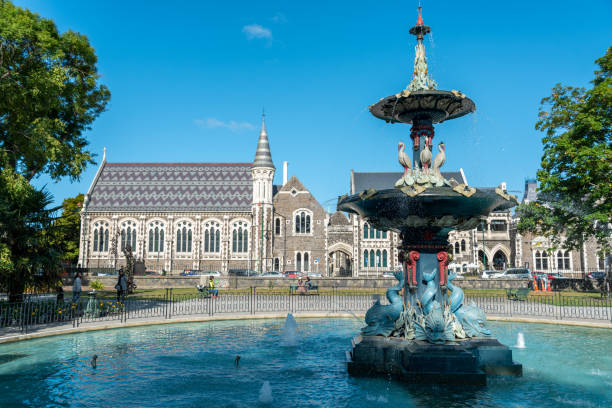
column 465, row 362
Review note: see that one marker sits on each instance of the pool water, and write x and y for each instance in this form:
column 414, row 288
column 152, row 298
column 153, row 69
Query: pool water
column 190, row 365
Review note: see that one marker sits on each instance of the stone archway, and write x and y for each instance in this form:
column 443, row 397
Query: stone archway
column 500, row 260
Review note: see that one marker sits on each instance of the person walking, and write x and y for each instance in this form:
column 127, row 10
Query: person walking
column 121, row 285
column 76, row 288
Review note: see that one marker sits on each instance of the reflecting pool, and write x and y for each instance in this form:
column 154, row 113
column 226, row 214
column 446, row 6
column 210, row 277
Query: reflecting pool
column 186, row 365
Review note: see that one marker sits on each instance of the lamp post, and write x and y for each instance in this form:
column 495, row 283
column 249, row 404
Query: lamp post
column 261, row 240
column 484, row 254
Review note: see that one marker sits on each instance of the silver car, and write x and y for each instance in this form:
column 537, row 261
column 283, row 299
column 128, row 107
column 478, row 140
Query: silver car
column 514, row 273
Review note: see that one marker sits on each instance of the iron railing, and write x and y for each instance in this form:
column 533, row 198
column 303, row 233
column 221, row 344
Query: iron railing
column 33, row 315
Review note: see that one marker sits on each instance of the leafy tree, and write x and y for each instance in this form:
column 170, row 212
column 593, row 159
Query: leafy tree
column 575, row 179
column 66, row 229
column 50, row 95
column 28, row 257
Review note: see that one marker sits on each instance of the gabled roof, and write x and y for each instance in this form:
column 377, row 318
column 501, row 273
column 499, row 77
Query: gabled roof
column 382, row 181
column 172, row 187
column 292, row 183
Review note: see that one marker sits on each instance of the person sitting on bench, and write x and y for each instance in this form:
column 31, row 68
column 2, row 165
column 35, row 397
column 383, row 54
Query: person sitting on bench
column 211, row 287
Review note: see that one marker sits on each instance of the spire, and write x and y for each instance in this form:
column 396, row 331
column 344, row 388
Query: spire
column 263, row 158
column 420, row 80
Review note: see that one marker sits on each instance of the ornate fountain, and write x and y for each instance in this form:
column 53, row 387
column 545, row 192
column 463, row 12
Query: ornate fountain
column 426, row 333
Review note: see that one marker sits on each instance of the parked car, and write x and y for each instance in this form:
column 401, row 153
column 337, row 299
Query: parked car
column 199, row 272
column 596, row 275
column 242, row 272
column 314, row 274
column 489, row 273
column 388, row 275
column 514, row 273
column 293, row 274
column 272, row 274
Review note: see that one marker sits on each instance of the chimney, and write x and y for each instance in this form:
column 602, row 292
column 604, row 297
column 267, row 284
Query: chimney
column 285, row 171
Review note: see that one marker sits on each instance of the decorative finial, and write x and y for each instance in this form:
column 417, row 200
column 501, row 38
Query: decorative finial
column 420, row 19
column 104, row 155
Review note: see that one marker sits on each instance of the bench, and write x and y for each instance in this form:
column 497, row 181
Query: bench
column 518, row 294
column 309, row 289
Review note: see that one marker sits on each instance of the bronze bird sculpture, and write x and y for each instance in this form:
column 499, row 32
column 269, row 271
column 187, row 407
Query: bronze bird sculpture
column 439, row 160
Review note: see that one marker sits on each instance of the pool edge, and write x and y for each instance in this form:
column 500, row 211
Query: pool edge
column 197, row 319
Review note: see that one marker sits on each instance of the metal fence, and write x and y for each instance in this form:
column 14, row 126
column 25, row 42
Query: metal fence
column 33, row 315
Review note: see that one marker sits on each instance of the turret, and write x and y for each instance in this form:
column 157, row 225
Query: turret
column 263, row 168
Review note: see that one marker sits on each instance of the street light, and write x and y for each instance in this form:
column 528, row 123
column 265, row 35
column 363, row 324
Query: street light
column 484, row 254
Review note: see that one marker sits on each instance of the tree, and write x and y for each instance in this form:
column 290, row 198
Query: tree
column 50, row 96
column 28, row 257
column 575, row 179
column 66, row 229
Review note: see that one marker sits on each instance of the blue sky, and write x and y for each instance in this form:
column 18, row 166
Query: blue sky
column 189, row 80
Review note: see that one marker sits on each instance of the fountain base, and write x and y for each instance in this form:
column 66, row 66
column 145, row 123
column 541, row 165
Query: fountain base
column 465, row 362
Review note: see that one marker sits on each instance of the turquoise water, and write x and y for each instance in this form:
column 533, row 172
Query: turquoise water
column 190, row 365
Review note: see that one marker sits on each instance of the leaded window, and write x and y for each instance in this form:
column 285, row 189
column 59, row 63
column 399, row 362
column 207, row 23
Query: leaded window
column 563, row 260
column 463, row 245
column 302, row 223
column 128, row 235
column 184, row 237
column 100, row 236
column 541, row 260
column 212, row 236
column 156, row 236
column 240, row 237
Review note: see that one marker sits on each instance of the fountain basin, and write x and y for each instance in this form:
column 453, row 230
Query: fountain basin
column 465, row 362
column 433, row 104
column 439, row 208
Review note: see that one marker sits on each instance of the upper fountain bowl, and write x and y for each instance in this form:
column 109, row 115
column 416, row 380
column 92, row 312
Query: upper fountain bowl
column 436, row 105
column 438, row 208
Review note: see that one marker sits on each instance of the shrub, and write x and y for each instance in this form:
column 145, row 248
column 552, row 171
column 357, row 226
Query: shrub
column 97, row 285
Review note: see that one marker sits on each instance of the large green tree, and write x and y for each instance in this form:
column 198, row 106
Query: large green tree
column 50, row 95
column 65, row 234
column 575, row 179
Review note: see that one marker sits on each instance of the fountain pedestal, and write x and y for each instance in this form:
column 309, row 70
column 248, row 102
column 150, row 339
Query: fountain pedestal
column 466, row 362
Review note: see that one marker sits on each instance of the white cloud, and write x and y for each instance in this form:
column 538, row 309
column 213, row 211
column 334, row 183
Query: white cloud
column 232, row 125
column 279, row 18
column 256, row 31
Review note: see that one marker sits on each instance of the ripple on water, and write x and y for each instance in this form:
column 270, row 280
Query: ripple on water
column 184, row 365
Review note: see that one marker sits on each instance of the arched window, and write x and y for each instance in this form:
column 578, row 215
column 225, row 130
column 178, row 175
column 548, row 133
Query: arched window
column 378, row 260
column 456, row 247
column 541, row 260
column 298, row 261
column 302, row 223
column 277, row 226
column 371, row 258
column 463, row 245
column 563, row 260
column 377, row 234
column 240, row 237
column 276, row 264
column 156, row 236
column 365, row 231
column 128, row 235
column 384, row 258
column 184, row 237
column 100, row 236
column 371, row 232
column 212, row 236
column 365, row 258
column 384, row 234
column 306, row 261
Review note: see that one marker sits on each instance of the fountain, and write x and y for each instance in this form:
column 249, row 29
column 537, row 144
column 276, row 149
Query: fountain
column 290, row 331
column 427, row 333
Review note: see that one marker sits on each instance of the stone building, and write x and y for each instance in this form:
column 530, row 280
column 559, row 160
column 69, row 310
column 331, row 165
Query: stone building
column 206, row 216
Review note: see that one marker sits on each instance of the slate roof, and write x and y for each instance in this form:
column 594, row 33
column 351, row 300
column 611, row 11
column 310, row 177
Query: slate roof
column 172, row 187
column 382, row 181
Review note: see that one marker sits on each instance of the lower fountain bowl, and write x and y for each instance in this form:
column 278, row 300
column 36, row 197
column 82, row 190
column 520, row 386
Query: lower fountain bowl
column 463, row 362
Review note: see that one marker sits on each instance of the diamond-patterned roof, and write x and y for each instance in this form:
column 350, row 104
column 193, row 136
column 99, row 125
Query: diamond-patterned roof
column 172, row 187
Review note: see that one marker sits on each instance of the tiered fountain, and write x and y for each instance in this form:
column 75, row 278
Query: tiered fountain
column 428, row 334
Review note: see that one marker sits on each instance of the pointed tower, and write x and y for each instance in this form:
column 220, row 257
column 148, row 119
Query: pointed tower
column 263, row 175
